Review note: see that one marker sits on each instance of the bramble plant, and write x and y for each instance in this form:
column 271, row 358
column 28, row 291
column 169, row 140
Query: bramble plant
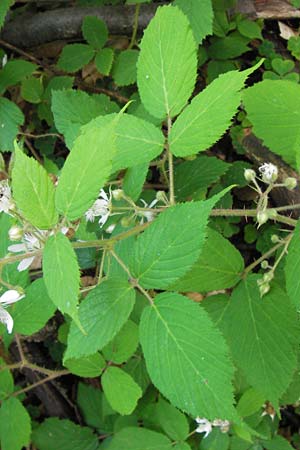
column 193, row 350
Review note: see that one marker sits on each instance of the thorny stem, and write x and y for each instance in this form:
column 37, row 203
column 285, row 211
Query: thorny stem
column 133, row 281
column 286, row 243
column 135, row 25
column 263, row 257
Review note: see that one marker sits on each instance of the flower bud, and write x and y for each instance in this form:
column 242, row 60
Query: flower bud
column 15, row 233
column 125, row 222
column 262, row 217
column 249, row 174
column 275, row 238
column 160, row 196
column 268, row 276
column 264, row 289
column 290, row 183
column 264, row 264
column 118, row 194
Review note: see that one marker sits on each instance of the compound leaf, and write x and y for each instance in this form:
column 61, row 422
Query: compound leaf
column 33, row 191
column 166, row 68
column 85, row 172
column 263, row 335
column 61, row 274
column 187, row 357
column 102, row 314
column 209, row 115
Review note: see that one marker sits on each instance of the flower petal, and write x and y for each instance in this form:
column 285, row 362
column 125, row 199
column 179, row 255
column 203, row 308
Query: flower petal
column 6, row 319
column 25, row 263
column 10, row 296
column 16, row 248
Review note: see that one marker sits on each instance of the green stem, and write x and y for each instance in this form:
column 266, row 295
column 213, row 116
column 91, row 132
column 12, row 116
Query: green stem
column 262, row 258
column 171, row 164
column 252, row 213
column 135, row 25
column 132, row 280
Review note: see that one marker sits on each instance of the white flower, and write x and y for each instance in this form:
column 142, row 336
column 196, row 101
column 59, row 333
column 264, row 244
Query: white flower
column 6, row 202
column 101, row 207
column 269, row 172
column 204, row 426
column 30, row 243
column 9, row 297
column 149, row 215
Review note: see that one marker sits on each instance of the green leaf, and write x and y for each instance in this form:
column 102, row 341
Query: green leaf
column 11, row 117
column 219, row 267
column 88, row 366
column 187, row 179
column 137, row 142
column 228, row 47
column 85, row 173
column 200, row 15
column 260, row 348
column 250, row 402
column 104, row 60
column 124, row 68
column 32, row 313
column 277, row 443
column 69, row 436
column 292, row 268
column 170, row 245
column 209, row 115
column 6, row 381
column 32, row 90
column 136, row 367
column 33, row 191
column 216, row 440
column 282, row 66
column 124, row 344
column 61, row 274
column 187, row 357
column 182, row 446
column 74, row 57
column 134, row 180
column 132, row 438
column 71, row 110
column 94, row 31
column 15, row 427
column 294, row 46
column 172, row 421
column 102, row 314
column 121, row 390
column 15, row 71
column 90, row 401
column 273, row 109
column 250, row 29
column 4, row 7
column 166, row 69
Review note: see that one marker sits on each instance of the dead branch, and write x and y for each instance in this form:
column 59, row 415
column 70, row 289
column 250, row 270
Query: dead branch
column 30, row 30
